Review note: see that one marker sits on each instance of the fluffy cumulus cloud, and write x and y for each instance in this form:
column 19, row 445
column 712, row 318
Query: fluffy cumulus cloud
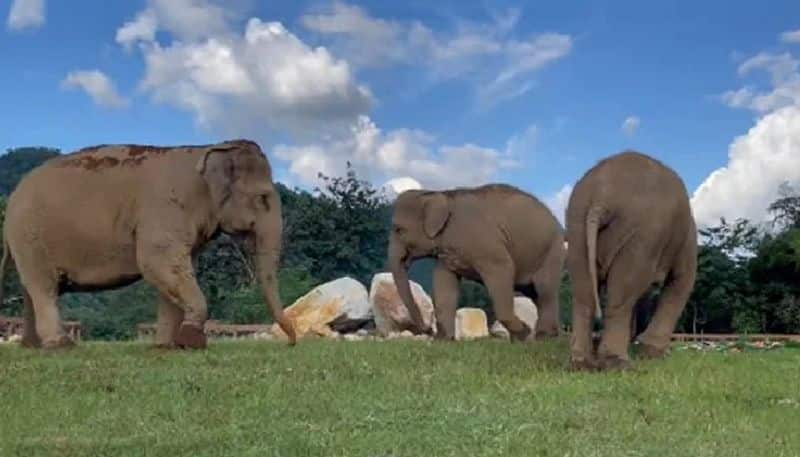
column 783, row 89
column 25, row 14
column 502, row 65
column 397, row 186
column 402, row 158
column 242, row 82
column 266, row 79
column 630, row 125
column 765, row 157
column 97, row 85
column 791, row 36
column 758, row 163
column 558, row 201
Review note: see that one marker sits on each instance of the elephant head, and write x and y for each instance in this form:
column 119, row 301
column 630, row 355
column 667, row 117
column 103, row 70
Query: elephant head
column 247, row 204
column 419, row 218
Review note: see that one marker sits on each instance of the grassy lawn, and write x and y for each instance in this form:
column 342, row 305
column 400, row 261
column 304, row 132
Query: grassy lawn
column 394, row 398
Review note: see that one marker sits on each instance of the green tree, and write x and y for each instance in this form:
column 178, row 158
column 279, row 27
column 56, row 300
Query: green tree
column 343, row 230
column 19, row 161
column 12, row 299
column 724, row 298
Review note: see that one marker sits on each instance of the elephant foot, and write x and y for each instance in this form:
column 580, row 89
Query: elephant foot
column 583, row 364
column 614, row 363
column 191, row 336
column 442, row 336
column 523, row 335
column 546, row 334
column 61, row 342
column 165, row 346
column 30, row 342
column 649, row 351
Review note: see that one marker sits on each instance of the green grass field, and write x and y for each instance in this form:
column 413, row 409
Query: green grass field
column 394, row 398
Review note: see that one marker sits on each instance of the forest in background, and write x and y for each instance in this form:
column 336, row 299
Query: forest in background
column 747, row 278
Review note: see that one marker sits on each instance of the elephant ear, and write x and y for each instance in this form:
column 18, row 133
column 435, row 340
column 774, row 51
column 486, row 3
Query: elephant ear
column 216, row 166
column 436, row 212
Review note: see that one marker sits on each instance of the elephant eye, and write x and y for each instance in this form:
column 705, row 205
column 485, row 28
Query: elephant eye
column 398, row 230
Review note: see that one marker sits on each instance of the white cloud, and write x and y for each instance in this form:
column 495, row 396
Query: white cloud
column 380, row 156
column 244, row 83
column 522, row 59
column 501, row 66
column 759, row 161
column 142, row 28
column 397, row 186
column 99, row 87
column 26, row 14
column 265, row 79
column 630, row 125
column 558, row 202
column 791, row 36
column 764, row 158
column 784, row 82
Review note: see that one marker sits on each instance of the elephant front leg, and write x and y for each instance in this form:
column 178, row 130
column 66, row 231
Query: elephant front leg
column 499, row 282
column 170, row 317
column 172, row 274
column 445, row 301
column 29, row 337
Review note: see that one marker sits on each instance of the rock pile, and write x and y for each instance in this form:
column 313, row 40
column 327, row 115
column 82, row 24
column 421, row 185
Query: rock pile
column 343, row 309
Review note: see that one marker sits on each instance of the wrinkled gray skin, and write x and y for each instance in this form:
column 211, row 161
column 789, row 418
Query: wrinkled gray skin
column 106, row 216
column 494, row 234
column 629, row 226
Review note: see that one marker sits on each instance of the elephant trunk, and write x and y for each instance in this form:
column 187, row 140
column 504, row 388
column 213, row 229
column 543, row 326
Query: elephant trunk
column 267, row 256
column 399, row 263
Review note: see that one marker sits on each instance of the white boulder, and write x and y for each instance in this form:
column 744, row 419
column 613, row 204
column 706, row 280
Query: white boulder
column 471, row 323
column 525, row 310
column 391, row 314
column 333, row 304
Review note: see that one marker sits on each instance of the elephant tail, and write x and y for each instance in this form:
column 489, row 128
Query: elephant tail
column 3, row 265
column 593, row 217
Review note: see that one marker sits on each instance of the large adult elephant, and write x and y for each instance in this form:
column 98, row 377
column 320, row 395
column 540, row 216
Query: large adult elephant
column 494, row 234
column 630, row 226
column 105, row 216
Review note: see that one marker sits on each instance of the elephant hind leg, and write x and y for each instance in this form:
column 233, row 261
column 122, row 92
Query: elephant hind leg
column 629, row 277
column 656, row 337
column 546, row 282
column 41, row 305
column 499, row 281
column 47, row 320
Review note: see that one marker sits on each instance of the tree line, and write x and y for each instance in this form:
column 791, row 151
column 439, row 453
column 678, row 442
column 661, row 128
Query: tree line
column 746, row 278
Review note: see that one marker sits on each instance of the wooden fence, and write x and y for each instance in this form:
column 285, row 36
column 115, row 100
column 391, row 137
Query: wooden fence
column 213, row 329
column 10, row 326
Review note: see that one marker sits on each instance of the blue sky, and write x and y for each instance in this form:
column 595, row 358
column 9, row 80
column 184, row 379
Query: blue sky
column 444, row 93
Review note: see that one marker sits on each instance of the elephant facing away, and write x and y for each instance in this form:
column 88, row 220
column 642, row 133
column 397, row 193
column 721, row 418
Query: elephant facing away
column 106, row 216
column 494, row 234
column 629, row 226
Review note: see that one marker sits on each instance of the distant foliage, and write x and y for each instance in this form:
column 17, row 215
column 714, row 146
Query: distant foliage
column 15, row 163
column 747, row 276
column 12, row 300
column 340, row 231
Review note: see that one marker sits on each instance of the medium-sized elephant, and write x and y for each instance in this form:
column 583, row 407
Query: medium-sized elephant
column 494, row 234
column 629, row 227
column 105, row 216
